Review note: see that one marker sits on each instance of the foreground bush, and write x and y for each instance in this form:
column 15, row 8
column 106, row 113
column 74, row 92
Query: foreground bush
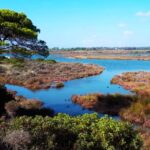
column 63, row 132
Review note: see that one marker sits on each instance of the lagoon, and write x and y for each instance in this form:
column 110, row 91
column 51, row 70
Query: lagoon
column 60, row 99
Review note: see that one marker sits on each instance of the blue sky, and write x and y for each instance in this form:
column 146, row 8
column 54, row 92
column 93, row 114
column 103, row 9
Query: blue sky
column 72, row 23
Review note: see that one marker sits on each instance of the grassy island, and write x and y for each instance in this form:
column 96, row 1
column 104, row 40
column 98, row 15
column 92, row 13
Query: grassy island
column 42, row 74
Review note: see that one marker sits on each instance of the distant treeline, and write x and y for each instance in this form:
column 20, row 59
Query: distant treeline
column 102, row 48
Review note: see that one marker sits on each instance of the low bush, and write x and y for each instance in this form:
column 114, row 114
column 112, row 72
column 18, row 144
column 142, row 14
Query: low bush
column 31, row 104
column 4, row 98
column 11, row 108
column 2, row 58
column 138, row 82
column 109, row 104
column 59, row 85
column 16, row 62
column 18, row 52
column 145, row 137
column 64, row 132
column 10, row 105
column 138, row 112
column 27, row 108
column 51, row 61
column 16, row 140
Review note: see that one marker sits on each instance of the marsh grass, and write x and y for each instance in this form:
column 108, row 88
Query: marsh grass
column 110, row 103
column 15, row 62
column 50, row 61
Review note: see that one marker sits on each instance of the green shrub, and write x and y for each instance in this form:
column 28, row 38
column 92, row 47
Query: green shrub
column 16, row 62
column 64, row 132
column 2, row 43
column 21, row 52
column 59, row 85
column 51, row 61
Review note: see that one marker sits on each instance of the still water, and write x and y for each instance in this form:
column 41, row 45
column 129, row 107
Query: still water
column 60, row 99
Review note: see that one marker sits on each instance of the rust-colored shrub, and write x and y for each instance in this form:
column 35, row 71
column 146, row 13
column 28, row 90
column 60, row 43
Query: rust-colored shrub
column 31, row 104
column 11, row 108
column 59, row 85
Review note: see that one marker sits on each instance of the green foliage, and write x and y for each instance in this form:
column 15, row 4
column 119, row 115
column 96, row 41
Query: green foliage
column 51, row 61
column 14, row 25
column 16, row 62
column 2, row 43
column 18, row 30
column 21, row 53
column 64, row 132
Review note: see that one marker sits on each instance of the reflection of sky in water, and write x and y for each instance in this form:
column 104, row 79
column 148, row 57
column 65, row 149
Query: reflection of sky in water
column 59, row 99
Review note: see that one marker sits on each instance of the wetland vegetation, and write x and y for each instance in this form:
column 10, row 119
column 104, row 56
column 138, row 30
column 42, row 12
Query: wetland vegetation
column 28, row 124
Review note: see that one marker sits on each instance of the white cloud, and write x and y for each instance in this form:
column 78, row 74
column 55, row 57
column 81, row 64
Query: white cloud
column 128, row 33
column 143, row 14
column 122, row 25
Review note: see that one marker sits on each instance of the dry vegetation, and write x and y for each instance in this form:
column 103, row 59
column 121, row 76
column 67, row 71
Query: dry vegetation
column 12, row 105
column 106, row 54
column 135, row 109
column 139, row 111
column 107, row 104
column 41, row 75
column 131, row 108
column 138, row 82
